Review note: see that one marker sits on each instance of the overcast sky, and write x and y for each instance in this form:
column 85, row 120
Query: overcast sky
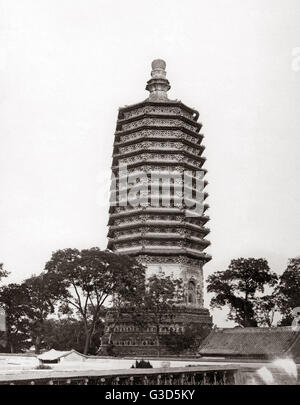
column 67, row 65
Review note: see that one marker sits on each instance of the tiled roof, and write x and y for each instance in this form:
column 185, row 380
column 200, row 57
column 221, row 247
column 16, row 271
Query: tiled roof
column 57, row 354
column 252, row 342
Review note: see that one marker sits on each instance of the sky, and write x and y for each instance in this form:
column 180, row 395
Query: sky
column 66, row 66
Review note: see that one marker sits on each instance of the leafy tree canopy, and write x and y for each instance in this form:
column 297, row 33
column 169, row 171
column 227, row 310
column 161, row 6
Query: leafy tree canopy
column 43, row 295
column 90, row 279
column 160, row 301
column 288, row 291
column 239, row 286
column 14, row 298
column 3, row 273
column 188, row 340
column 68, row 333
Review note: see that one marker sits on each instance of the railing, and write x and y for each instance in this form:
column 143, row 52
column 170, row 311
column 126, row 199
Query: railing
column 196, row 375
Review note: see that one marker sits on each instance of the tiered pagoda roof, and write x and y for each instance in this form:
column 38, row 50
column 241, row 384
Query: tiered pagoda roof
column 158, row 136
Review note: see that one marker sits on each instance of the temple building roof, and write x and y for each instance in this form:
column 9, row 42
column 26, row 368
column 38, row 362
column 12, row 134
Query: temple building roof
column 267, row 343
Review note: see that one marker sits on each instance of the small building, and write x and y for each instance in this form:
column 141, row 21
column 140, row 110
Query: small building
column 252, row 343
column 57, row 356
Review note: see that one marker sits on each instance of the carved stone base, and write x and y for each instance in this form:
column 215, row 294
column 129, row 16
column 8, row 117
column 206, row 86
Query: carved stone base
column 127, row 338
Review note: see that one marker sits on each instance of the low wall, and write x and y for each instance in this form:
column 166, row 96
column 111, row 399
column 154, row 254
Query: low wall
column 199, row 375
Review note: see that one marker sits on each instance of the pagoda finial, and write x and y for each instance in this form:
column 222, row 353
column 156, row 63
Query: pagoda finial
column 158, row 85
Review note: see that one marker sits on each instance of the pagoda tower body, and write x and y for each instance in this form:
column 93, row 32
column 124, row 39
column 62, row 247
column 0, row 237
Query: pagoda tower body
column 157, row 211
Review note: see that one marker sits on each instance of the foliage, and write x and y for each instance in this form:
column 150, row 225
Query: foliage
column 265, row 309
column 111, row 349
column 3, row 341
column 288, row 291
column 187, row 340
column 238, row 287
column 142, row 364
column 14, row 298
column 68, row 333
column 89, row 279
column 27, row 306
column 43, row 295
column 3, row 273
column 158, row 307
column 86, row 283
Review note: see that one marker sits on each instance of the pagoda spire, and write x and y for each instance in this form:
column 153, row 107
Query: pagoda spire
column 158, row 85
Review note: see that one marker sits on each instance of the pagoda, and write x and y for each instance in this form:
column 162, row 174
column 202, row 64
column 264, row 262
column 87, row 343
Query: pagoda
column 158, row 149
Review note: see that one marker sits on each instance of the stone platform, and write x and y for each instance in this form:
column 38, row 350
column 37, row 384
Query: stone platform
column 130, row 338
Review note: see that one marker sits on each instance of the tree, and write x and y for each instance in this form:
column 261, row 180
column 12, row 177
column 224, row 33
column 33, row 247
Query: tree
column 134, row 299
column 265, row 309
column 142, row 364
column 189, row 339
column 288, row 291
column 3, row 274
column 239, row 286
column 90, row 279
column 161, row 296
column 43, row 295
column 14, row 298
column 68, row 333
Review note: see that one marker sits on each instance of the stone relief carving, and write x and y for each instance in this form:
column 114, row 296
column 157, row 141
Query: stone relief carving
column 157, row 110
column 158, row 122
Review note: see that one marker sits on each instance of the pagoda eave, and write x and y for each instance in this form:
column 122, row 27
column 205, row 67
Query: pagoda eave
column 163, row 163
column 136, row 251
column 154, row 210
column 183, row 152
column 168, row 103
column 119, row 133
column 149, row 138
column 196, row 124
column 160, row 236
column 163, row 223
